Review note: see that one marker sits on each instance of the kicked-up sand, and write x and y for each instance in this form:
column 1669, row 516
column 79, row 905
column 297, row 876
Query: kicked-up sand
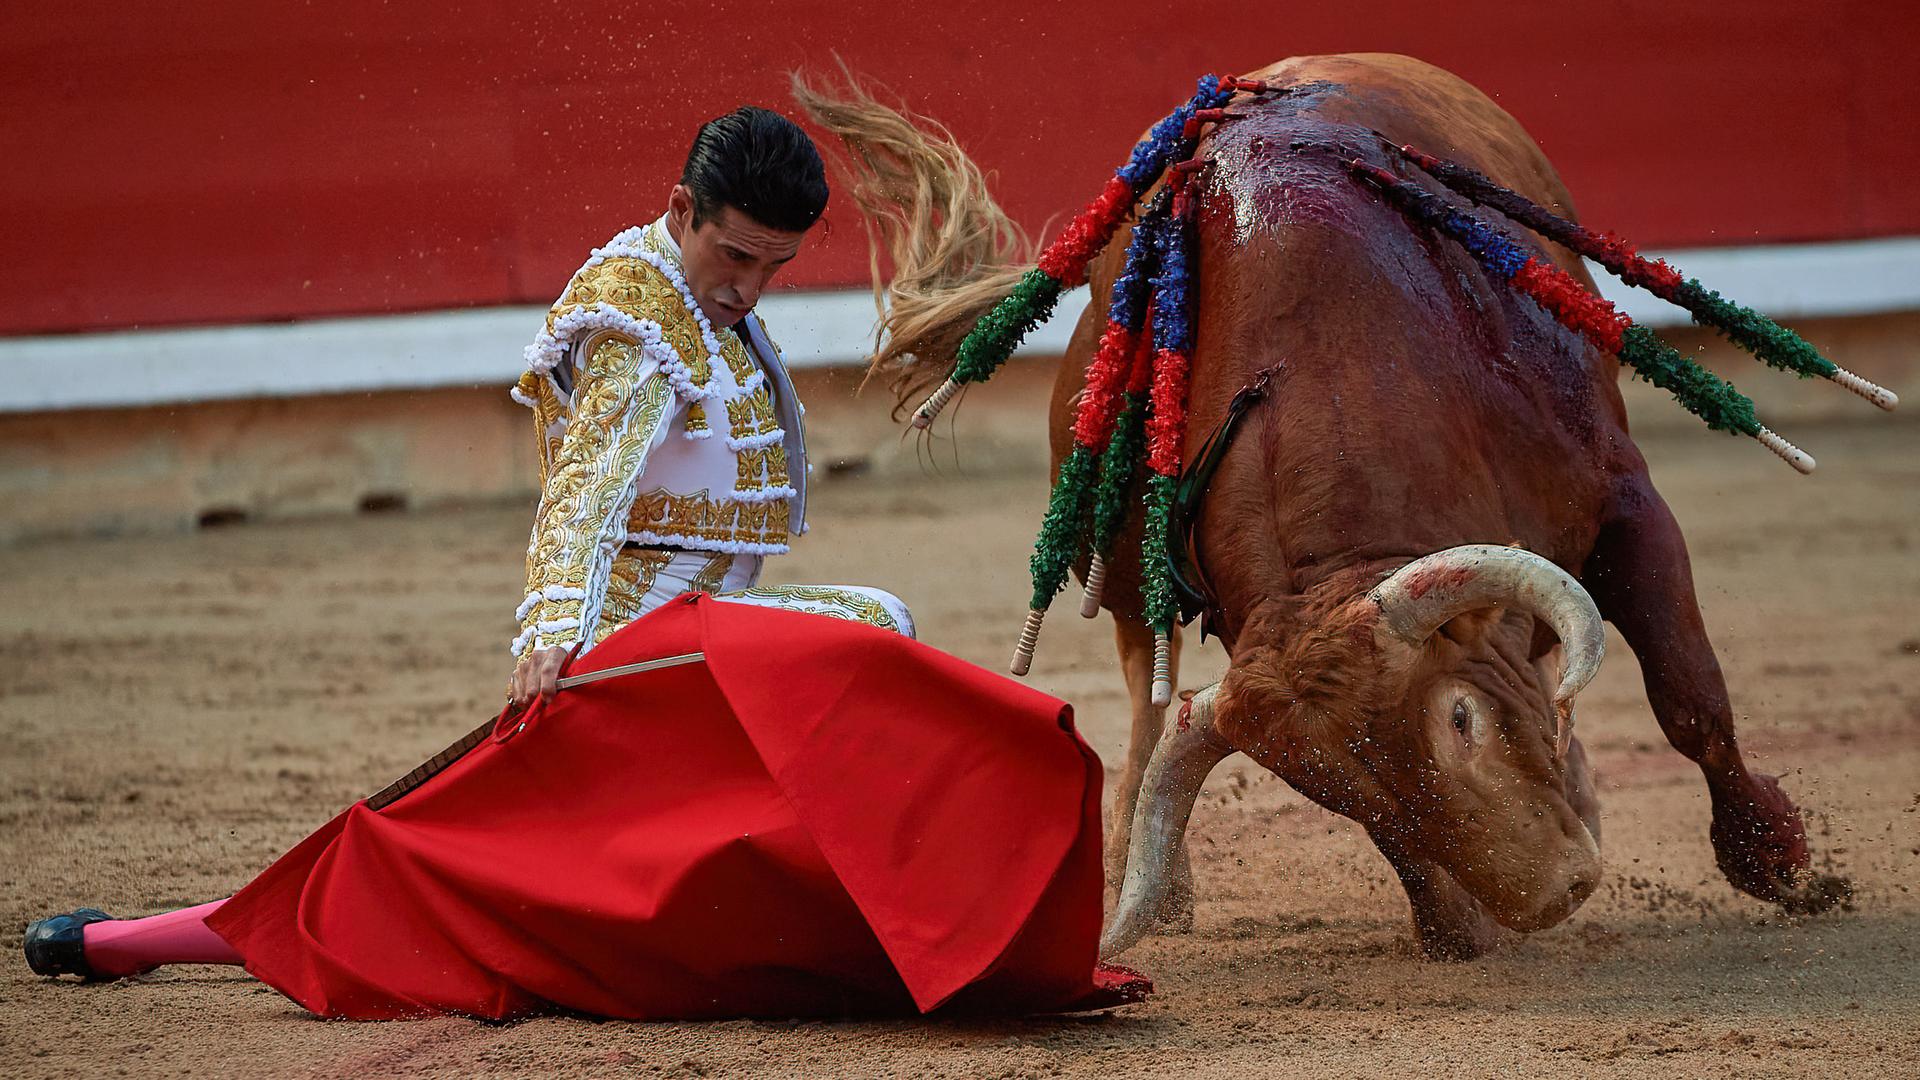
column 176, row 711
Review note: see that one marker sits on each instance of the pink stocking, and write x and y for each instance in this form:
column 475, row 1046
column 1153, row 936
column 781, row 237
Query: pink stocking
column 130, row 946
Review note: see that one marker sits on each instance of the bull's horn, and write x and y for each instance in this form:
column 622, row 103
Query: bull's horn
column 1421, row 596
column 1188, row 750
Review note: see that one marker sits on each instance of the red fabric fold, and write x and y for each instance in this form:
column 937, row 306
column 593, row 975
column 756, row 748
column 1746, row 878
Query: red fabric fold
column 822, row 819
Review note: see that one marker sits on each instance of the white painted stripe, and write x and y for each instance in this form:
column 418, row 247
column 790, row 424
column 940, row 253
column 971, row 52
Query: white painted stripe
column 478, row 347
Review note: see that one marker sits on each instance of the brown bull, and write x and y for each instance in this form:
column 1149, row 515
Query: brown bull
column 1412, row 540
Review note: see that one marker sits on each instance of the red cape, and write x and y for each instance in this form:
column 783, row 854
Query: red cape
column 822, row 819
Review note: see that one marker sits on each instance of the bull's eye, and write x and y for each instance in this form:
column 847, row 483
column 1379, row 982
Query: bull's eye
column 1468, row 721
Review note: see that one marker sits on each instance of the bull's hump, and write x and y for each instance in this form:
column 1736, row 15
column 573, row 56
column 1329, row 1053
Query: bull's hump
column 1282, row 161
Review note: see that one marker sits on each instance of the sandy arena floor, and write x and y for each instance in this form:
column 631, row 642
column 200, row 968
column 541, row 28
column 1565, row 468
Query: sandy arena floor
column 175, row 712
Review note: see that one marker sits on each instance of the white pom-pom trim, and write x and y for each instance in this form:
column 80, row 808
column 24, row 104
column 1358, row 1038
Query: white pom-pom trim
column 550, row 347
column 520, row 643
column 756, row 442
column 695, row 543
column 551, row 592
column 763, row 495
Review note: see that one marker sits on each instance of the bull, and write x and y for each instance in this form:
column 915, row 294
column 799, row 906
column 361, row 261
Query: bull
column 1413, row 540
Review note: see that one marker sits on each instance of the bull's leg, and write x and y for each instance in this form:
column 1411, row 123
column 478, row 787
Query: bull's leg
column 1639, row 575
column 1135, row 642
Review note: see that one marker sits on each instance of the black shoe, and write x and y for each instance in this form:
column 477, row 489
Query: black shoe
column 53, row 945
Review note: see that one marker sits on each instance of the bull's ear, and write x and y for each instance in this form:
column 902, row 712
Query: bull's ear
column 1552, row 664
column 1470, row 628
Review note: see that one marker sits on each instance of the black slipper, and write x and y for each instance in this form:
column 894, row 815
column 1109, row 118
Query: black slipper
column 53, row 946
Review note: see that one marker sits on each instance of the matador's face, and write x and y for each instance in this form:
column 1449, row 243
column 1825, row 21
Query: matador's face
column 729, row 258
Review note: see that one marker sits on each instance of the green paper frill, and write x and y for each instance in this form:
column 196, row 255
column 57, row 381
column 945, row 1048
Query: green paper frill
column 1161, row 609
column 1063, row 528
column 1000, row 331
column 1117, row 465
column 1700, row 391
column 1773, row 344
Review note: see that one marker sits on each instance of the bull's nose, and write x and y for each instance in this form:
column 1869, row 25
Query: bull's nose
column 1556, row 899
column 1581, row 888
column 1552, row 907
column 1580, row 885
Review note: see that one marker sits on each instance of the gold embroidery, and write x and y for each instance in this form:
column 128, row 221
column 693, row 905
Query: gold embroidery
column 697, row 520
column 710, row 577
column 594, row 447
column 634, row 572
column 586, row 476
column 638, row 289
column 777, row 466
column 749, row 465
column 651, row 239
column 758, row 470
column 734, row 352
column 751, row 414
column 814, row 598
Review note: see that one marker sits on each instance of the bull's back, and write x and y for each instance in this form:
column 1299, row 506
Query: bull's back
column 1416, row 404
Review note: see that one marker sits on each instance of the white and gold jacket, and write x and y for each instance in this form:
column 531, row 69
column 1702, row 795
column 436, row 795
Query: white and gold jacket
column 654, row 429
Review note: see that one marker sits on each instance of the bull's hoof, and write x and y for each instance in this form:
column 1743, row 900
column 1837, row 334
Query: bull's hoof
column 1760, row 844
column 1818, row 894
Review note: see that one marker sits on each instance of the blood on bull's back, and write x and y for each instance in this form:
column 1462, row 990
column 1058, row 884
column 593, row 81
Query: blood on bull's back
column 1415, row 404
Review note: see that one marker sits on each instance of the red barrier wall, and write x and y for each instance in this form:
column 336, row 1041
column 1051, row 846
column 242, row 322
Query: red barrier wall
column 224, row 161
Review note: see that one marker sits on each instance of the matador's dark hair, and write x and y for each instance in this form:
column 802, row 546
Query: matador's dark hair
column 759, row 162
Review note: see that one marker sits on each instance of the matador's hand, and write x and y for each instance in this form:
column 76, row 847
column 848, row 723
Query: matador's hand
column 538, row 674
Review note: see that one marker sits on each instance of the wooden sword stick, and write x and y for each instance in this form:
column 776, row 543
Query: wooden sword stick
column 388, row 795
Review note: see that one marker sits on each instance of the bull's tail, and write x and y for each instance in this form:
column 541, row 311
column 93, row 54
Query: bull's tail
column 953, row 252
